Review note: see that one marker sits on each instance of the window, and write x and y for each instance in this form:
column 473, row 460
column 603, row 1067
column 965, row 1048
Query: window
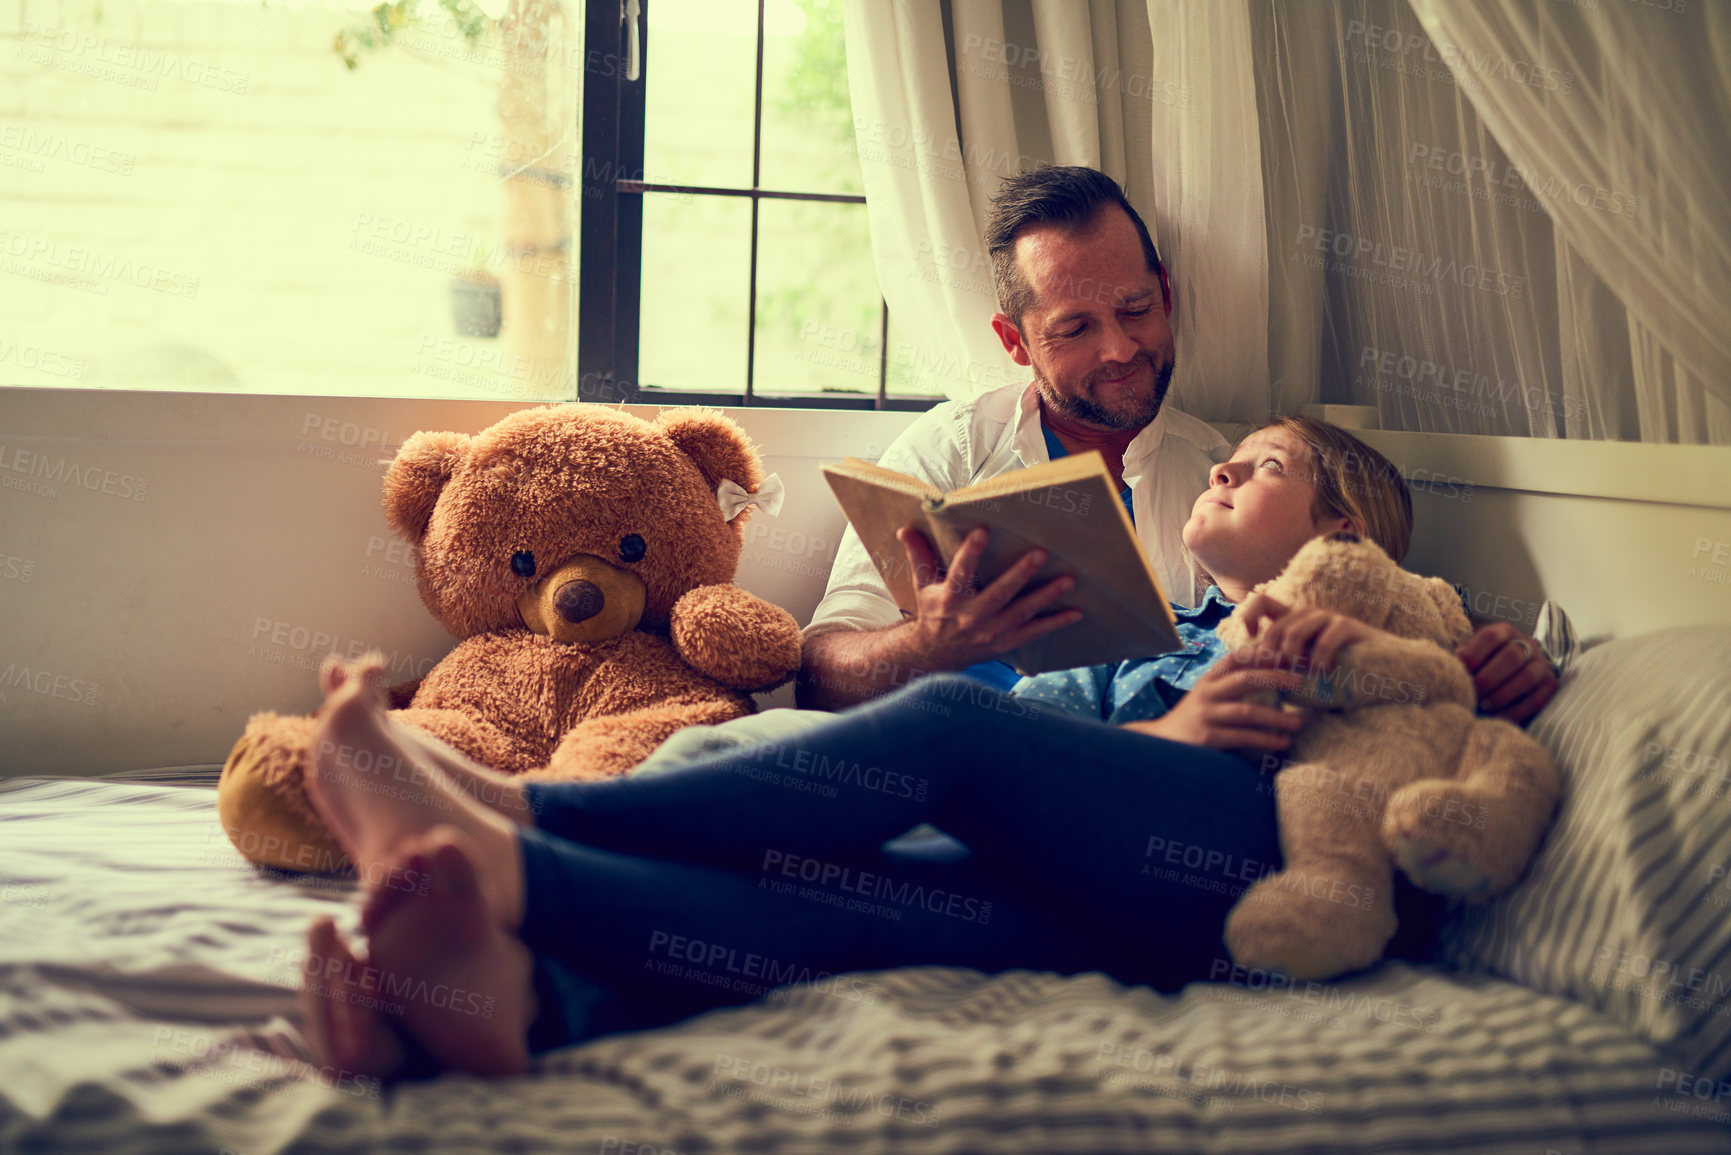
column 727, row 257
column 314, row 197
column 335, row 197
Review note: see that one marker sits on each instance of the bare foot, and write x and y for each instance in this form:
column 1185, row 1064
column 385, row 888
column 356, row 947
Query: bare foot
column 461, row 982
column 374, row 792
column 340, row 1005
column 500, row 793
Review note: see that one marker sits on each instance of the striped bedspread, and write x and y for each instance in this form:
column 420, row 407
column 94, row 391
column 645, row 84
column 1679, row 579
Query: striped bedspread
column 146, row 1005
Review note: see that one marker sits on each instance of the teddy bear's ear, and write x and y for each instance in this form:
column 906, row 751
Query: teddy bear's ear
column 416, row 478
column 716, row 445
column 1448, row 604
column 1428, row 608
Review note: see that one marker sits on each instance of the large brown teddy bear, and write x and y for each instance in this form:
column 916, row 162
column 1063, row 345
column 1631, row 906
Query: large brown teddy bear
column 1392, row 767
column 584, row 560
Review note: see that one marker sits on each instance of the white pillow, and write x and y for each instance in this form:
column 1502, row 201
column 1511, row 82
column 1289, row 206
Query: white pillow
column 1627, row 907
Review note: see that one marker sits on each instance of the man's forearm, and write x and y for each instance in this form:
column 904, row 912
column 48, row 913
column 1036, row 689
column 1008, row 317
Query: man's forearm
column 847, row 667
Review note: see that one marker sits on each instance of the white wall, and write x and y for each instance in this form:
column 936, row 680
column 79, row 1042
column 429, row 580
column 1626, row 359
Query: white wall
column 170, row 563
column 1627, row 537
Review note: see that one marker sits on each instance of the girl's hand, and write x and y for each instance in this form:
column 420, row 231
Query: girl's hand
column 1301, row 639
column 1215, row 714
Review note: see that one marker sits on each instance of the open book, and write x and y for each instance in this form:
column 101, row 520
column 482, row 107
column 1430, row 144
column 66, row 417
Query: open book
column 1068, row 507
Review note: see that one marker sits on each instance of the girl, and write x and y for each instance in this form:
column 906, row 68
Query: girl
column 518, row 916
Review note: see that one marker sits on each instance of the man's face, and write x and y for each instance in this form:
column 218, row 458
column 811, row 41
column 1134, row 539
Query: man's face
column 1097, row 335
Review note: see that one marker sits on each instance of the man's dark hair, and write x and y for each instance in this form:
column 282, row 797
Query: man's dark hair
column 1069, row 195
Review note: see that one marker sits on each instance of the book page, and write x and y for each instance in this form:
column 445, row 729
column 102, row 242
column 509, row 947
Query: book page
column 878, row 502
column 1072, row 467
column 853, row 467
column 1077, row 517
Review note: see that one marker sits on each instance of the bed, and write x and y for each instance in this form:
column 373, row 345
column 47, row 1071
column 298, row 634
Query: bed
column 147, row 1004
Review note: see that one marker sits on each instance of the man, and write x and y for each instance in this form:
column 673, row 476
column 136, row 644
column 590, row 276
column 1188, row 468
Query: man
column 1086, row 306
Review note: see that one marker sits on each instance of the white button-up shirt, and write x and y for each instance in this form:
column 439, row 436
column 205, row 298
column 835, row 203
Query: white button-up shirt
column 961, row 442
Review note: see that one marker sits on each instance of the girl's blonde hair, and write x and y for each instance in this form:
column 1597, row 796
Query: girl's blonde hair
column 1356, row 482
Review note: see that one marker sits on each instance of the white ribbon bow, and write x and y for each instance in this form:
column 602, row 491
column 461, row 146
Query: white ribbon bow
column 732, row 497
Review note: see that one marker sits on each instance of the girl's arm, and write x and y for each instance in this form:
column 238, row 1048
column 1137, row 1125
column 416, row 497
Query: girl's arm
column 1233, row 707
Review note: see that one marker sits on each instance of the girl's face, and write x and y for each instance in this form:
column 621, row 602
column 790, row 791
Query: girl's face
column 1258, row 509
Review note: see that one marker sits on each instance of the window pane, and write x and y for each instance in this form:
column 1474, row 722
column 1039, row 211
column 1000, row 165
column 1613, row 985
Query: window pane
column 696, row 282
column 818, row 306
column 807, row 123
column 702, row 70
column 202, row 196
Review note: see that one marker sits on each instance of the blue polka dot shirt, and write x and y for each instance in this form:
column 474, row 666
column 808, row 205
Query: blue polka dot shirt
column 1138, row 688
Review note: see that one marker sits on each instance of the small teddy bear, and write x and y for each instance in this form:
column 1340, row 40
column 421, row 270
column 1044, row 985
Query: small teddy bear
column 1392, row 767
column 585, row 558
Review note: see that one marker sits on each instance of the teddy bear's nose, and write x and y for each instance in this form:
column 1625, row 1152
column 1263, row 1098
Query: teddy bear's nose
column 1343, row 535
column 579, row 600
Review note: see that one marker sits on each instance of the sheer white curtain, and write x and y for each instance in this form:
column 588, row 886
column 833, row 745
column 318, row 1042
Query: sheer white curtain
column 1207, row 158
column 1513, row 229
column 1066, row 82
column 1406, row 242
column 1631, row 161
column 925, row 234
column 1479, row 217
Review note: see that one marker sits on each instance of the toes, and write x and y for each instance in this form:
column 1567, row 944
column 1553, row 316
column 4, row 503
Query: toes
column 315, row 1007
column 335, row 672
column 355, row 707
column 369, row 670
column 345, row 1027
column 327, row 976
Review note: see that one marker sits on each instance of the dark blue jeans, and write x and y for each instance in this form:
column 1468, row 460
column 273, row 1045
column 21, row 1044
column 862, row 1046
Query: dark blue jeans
column 1072, row 846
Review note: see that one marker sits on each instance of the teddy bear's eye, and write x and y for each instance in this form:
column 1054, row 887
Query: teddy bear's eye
column 632, row 547
column 523, row 563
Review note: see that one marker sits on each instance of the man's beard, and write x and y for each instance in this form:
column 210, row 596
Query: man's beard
column 1132, row 415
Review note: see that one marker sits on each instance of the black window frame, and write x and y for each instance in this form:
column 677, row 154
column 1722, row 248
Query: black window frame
column 610, row 282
